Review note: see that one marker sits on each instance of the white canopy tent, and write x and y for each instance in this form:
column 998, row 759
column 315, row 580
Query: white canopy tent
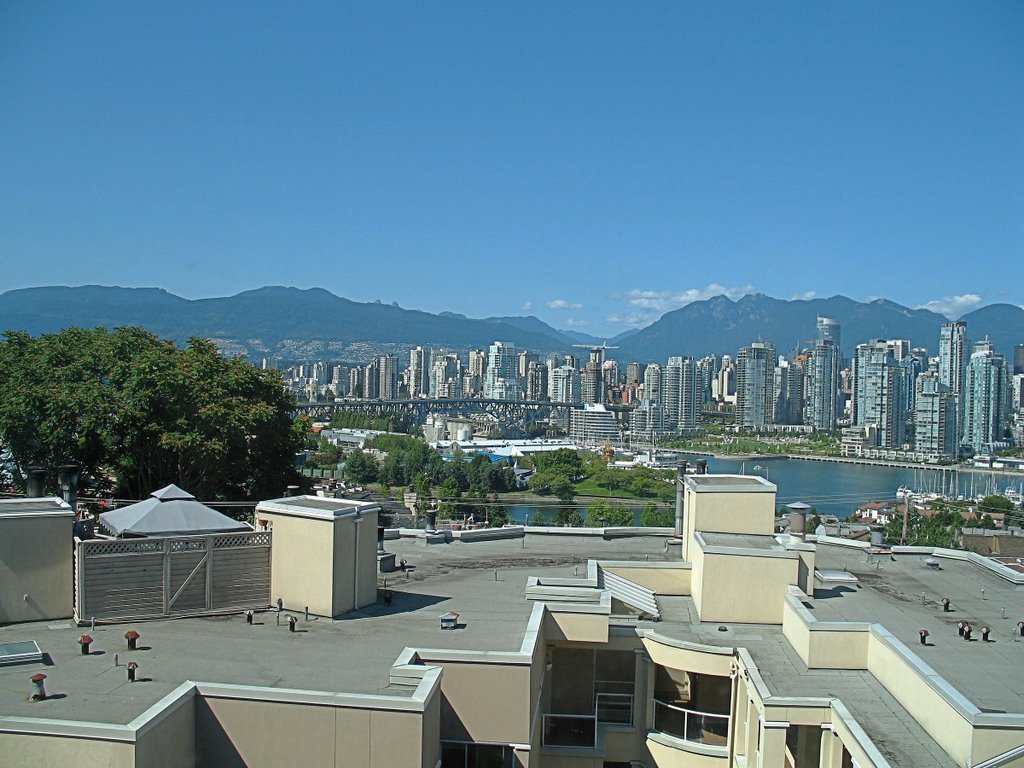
column 170, row 511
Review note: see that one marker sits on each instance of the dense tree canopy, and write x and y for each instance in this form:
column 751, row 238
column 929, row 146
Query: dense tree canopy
column 136, row 413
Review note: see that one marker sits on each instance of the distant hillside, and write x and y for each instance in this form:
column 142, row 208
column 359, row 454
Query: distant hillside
column 283, row 322
column 720, row 325
column 290, row 324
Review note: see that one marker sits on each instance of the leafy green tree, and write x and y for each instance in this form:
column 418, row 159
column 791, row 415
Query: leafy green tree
column 326, row 455
column 136, row 412
column 937, row 530
column 995, row 503
column 448, row 494
column 654, row 516
column 567, row 516
column 602, row 514
column 497, row 513
column 421, row 485
column 597, row 513
column 564, row 460
column 360, row 467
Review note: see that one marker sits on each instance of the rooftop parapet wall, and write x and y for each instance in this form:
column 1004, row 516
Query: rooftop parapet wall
column 966, row 733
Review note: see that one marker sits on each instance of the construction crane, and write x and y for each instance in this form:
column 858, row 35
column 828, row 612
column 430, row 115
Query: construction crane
column 602, row 348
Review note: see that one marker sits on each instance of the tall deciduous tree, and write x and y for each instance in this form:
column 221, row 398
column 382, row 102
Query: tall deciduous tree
column 136, row 413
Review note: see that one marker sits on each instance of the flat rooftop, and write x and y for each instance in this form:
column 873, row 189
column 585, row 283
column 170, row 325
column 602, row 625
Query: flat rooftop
column 485, row 582
column 47, row 505
column 729, row 483
column 894, row 732
column 904, row 595
column 742, row 541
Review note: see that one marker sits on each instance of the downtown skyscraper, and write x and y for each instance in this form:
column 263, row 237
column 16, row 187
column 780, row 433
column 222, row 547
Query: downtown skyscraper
column 953, row 353
column 986, row 398
column 679, row 394
column 878, row 398
column 755, row 385
column 501, row 381
column 821, row 387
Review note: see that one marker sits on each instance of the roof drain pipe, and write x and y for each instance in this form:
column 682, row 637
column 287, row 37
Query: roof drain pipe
column 355, row 561
column 680, row 476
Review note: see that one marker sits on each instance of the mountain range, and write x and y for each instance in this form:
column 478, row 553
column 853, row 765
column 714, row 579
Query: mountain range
column 291, row 324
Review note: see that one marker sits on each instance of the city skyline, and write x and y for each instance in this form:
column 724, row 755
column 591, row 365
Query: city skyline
column 600, row 166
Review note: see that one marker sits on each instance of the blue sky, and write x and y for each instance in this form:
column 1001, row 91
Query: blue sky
column 595, row 164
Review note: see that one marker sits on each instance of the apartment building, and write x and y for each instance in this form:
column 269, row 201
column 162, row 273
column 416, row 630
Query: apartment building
column 719, row 643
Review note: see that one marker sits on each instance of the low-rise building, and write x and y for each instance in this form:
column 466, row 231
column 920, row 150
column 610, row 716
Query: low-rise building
column 720, row 643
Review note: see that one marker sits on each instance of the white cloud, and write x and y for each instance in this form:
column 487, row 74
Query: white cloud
column 953, row 306
column 527, row 306
column 663, row 301
column 805, row 296
column 563, row 304
column 632, row 319
column 574, row 323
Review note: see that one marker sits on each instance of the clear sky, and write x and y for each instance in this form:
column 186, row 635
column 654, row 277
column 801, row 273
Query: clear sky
column 592, row 163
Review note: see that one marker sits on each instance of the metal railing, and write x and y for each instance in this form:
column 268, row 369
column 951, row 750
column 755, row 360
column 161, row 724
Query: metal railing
column 614, row 708
column 690, row 725
column 578, row 731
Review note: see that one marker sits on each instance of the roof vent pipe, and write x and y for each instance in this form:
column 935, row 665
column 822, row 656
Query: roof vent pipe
column 797, row 519
column 35, row 483
column 38, row 688
column 680, row 476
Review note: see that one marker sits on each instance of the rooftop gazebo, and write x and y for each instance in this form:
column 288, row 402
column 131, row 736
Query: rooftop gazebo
column 170, row 511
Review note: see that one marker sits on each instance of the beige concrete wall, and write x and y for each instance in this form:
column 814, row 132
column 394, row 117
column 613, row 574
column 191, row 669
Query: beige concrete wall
column 507, row 691
column 696, row 556
column 991, row 742
column 368, row 560
column 845, row 648
column 345, row 571
column 690, row 658
column 35, row 560
column 936, row 715
column 673, row 757
column 302, row 563
column 315, row 562
column 430, row 732
column 744, row 588
column 20, row 749
column 171, row 742
column 730, row 512
column 661, row 581
column 264, row 734
column 576, row 627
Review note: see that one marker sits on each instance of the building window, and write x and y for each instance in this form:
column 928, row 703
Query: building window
column 460, row 754
column 692, row 707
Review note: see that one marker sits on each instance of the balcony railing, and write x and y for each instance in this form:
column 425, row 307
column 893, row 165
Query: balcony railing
column 570, row 731
column 614, row 708
column 690, row 725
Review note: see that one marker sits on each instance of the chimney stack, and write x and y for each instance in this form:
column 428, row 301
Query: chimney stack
column 67, row 479
column 797, row 519
column 35, row 483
